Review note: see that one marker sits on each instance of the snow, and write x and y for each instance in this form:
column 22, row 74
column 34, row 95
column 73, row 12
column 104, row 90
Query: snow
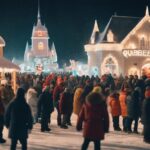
column 70, row 139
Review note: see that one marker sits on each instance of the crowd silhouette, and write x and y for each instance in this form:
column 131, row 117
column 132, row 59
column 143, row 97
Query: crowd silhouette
column 90, row 98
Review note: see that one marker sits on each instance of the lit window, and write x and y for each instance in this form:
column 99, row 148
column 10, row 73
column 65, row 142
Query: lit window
column 110, row 36
column 40, row 46
column 110, row 65
column 39, row 33
column 142, row 43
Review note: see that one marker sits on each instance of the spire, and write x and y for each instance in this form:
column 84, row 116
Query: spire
column 39, row 16
column 95, row 30
column 147, row 11
column 53, row 51
column 27, row 46
column 53, row 47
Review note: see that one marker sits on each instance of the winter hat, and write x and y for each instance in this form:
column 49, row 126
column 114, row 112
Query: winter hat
column 97, row 89
column 94, row 98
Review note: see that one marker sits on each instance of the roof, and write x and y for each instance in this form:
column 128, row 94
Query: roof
column 39, row 27
column 120, row 27
column 7, row 66
column 2, row 42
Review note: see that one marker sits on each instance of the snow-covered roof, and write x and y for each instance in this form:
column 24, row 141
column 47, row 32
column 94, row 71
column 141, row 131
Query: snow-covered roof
column 7, row 66
column 2, row 42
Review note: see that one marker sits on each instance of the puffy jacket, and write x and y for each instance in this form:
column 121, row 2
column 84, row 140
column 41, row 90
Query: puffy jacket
column 96, row 120
column 115, row 106
column 77, row 101
column 122, row 99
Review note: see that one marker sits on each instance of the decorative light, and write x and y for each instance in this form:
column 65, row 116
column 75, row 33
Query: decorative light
column 134, row 71
column 132, row 46
column 105, row 69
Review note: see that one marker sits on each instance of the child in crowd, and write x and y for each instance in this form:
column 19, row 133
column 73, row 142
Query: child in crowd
column 113, row 102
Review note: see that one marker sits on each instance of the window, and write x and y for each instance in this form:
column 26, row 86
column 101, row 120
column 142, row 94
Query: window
column 142, row 43
column 40, row 33
column 40, row 45
column 110, row 36
column 110, row 65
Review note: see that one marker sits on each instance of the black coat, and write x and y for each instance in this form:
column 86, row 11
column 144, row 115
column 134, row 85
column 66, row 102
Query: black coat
column 45, row 104
column 133, row 106
column 146, row 112
column 2, row 110
column 18, row 118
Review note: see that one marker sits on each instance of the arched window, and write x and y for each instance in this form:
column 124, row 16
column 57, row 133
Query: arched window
column 40, row 45
column 110, row 66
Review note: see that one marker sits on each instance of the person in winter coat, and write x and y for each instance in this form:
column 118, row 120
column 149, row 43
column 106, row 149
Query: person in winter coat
column 146, row 115
column 2, row 111
column 133, row 110
column 113, row 102
column 6, row 95
column 32, row 100
column 56, row 98
column 97, row 89
column 45, row 108
column 88, row 88
column 66, row 107
column 77, row 100
column 18, row 119
column 122, row 100
column 96, row 120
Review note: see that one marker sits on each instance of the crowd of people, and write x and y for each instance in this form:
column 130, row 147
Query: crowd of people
column 90, row 98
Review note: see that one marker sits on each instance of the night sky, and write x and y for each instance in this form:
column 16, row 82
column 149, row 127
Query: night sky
column 69, row 22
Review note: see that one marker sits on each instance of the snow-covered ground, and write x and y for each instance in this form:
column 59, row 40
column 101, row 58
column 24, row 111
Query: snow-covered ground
column 70, row 139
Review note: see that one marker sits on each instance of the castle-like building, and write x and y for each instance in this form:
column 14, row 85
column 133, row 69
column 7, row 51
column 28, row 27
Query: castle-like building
column 122, row 48
column 38, row 55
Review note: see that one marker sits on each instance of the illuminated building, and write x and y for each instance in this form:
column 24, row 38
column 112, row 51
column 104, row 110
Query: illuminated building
column 38, row 56
column 122, row 48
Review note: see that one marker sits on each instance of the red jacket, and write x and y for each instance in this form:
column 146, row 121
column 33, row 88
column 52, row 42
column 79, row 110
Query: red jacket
column 96, row 121
column 115, row 106
column 56, row 93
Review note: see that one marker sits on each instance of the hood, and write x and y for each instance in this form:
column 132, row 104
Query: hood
column 20, row 93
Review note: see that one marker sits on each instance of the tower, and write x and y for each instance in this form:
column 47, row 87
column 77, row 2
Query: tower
column 39, row 54
column 40, row 37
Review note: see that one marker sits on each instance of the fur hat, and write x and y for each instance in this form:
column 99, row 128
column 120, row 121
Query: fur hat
column 97, row 89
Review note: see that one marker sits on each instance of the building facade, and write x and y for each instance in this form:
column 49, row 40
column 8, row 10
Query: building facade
column 2, row 44
column 122, row 48
column 39, row 56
